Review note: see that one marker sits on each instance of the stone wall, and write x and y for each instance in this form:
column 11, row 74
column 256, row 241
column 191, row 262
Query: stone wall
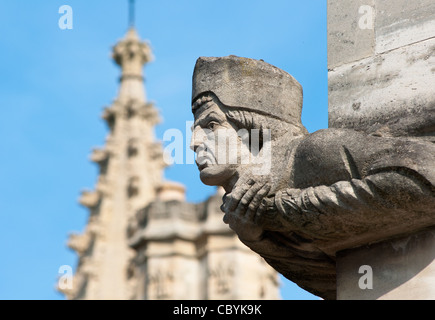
column 381, row 78
column 381, row 66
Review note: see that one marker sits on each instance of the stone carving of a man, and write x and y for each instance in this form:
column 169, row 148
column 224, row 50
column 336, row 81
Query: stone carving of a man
column 297, row 198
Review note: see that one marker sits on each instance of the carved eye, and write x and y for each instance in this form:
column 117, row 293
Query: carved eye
column 212, row 125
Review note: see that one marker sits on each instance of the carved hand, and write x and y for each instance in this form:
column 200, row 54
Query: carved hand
column 240, row 207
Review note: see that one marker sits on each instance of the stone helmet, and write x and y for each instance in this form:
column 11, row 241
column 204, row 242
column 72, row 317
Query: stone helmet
column 249, row 84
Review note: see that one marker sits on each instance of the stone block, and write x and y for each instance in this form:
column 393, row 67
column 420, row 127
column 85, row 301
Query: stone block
column 347, row 40
column 403, row 23
column 393, row 270
column 391, row 93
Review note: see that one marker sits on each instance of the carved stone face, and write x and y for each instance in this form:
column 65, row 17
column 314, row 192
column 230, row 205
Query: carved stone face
column 220, row 148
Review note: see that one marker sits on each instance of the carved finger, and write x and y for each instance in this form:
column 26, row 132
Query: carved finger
column 226, row 219
column 237, row 194
column 262, row 207
column 224, row 197
column 222, row 207
column 247, row 198
column 231, row 221
column 228, row 200
column 256, row 201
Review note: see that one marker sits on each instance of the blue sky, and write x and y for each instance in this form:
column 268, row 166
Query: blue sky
column 54, row 84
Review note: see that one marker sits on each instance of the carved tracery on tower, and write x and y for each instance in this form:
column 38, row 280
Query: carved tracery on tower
column 160, row 283
column 221, row 276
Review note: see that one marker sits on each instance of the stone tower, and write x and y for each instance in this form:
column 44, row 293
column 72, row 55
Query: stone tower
column 143, row 240
column 131, row 166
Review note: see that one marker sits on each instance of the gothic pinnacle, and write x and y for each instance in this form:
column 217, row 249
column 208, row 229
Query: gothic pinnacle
column 131, row 54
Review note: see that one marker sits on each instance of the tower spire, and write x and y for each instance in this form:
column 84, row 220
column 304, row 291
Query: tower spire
column 131, row 54
column 130, row 170
column 131, row 13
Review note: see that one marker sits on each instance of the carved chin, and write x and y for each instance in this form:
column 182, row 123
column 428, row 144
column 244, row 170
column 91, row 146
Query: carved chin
column 214, row 175
column 208, row 178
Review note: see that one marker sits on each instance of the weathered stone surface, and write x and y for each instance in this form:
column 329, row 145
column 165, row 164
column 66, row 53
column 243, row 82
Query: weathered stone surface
column 386, row 270
column 390, row 94
column 387, row 90
column 328, row 191
column 227, row 77
column 403, row 22
column 347, row 41
column 359, row 29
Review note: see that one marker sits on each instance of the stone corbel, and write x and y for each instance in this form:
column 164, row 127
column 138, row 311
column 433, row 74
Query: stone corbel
column 90, row 199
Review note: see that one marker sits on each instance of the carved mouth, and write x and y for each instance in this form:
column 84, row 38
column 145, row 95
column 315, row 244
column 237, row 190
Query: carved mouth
column 203, row 160
column 202, row 165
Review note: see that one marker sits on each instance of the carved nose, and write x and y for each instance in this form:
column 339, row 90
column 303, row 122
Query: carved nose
column 193, row 146
column 196, row 139
column 193, row 143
